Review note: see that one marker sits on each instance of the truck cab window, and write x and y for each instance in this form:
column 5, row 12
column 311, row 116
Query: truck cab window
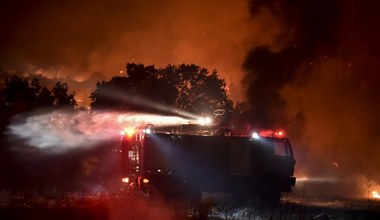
column 280, row 148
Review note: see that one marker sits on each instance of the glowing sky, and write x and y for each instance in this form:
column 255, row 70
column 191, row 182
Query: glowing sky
column 313, row 66
column 79, row 38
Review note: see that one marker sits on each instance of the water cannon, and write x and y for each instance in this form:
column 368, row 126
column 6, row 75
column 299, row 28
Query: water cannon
column 204, row 121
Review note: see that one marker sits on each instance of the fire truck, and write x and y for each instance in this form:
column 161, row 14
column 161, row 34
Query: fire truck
column 188, row 163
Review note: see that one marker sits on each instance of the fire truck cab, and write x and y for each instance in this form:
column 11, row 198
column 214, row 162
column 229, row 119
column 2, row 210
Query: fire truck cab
column 181, row 164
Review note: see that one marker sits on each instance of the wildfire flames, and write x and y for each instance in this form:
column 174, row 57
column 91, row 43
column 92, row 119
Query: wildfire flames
column 372, row 189
column 364, row 187
column 375, row 194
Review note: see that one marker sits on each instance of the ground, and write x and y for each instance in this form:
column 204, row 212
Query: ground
column 127, row 206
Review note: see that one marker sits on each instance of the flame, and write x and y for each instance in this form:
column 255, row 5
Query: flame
column 375, row 194
column 370, row 188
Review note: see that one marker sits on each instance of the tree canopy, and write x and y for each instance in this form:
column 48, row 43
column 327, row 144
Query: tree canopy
column 146, row 88
column 22, row 94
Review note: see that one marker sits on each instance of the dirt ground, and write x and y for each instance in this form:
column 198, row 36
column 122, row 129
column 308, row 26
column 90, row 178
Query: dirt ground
column 117, row 207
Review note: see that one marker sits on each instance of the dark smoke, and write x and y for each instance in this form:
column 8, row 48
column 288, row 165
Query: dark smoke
column 267, row 73
column 307, row 28
column 319, row 79
column 309, row 24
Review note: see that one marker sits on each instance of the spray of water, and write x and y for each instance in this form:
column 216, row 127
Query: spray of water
column 61, row 130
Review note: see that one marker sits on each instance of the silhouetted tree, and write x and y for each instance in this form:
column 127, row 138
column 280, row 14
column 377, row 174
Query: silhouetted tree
column 61, row 96
column 145, row 88
column 45, row 98
column 200, row 91
column 18, row 95
column 21, row 95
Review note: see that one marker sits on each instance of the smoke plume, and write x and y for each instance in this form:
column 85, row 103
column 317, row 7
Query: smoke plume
column 320, row 80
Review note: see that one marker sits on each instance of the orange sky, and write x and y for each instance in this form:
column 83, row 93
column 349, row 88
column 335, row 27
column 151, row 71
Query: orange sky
column 322, row 66
column 75, row 39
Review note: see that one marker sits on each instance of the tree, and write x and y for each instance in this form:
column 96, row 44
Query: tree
column 19, row 95
column 22, row 94
column 45, row 98
column 199, row 91
column 145, row 88
column 61, row 96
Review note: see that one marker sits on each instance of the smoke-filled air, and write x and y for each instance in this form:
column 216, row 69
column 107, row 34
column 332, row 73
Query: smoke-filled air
column 311, row 67
column 320, row 80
